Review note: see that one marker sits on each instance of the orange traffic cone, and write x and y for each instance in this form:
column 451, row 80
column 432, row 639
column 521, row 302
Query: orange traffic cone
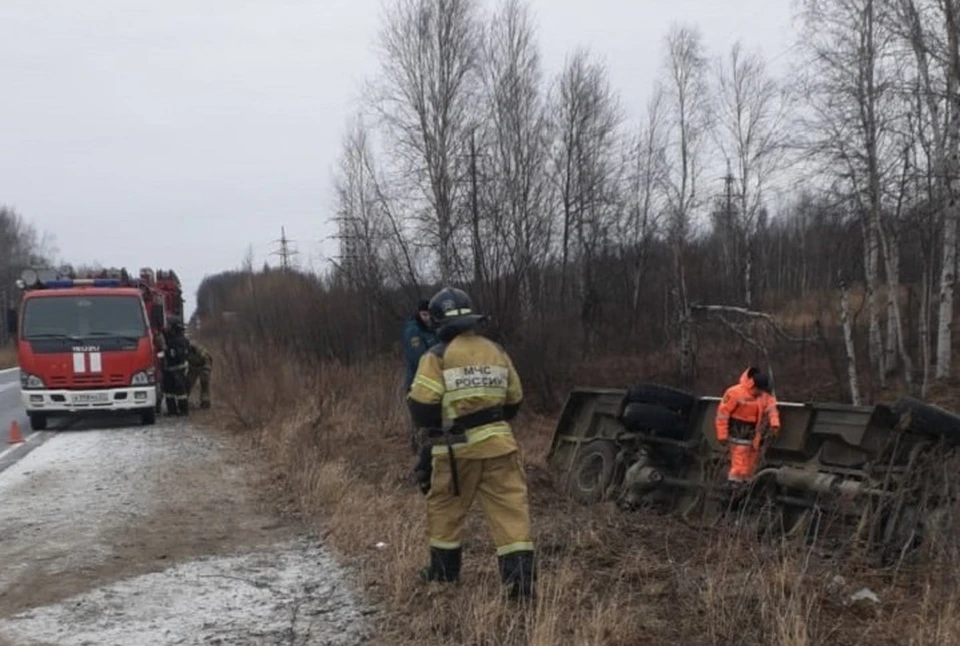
column 15, row 436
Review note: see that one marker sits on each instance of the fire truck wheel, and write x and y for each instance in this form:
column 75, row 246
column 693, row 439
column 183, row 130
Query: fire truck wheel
column 148, row 416
column 38, row 421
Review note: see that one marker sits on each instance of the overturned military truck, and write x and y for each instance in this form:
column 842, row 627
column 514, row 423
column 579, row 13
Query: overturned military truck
column 881, row 477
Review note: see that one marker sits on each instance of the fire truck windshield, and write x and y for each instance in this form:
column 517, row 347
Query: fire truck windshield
column 79, row 317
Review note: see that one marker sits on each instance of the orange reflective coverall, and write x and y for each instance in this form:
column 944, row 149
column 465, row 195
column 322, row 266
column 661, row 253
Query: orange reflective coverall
column 740, row 418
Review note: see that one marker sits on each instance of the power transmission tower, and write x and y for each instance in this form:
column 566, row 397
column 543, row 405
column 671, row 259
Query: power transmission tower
column 348, row 237
column 286, row 250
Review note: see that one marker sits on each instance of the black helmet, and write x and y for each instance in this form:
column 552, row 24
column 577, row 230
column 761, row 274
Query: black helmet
column 761, row 381
column 452, row 313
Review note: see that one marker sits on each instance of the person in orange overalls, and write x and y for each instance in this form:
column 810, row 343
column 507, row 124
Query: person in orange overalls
column 746, row 413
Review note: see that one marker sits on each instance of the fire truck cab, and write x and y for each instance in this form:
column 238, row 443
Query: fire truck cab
column 92, row 344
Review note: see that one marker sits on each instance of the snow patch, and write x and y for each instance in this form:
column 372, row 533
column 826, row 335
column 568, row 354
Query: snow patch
column 58, row 504
column 291, row 594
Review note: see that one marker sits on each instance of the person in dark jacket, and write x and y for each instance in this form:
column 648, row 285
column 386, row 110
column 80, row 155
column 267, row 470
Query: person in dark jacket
column 175, row 366
column 418, row 337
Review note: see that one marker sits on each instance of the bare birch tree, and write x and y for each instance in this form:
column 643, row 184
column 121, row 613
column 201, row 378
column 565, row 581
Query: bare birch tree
column 585, row 172
column 951, row 213
column 426, row 98
column 929, row 28
column 689, row 104
column 852, row 91
column 750, row 133
column 518, row 139
column 645, row 198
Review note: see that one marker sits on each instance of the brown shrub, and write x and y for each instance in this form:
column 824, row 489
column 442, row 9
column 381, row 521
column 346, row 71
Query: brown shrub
column 8, row 357
column 337, row 437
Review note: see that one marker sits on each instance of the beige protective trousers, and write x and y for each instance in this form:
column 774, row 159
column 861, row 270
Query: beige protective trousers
column 501, row 486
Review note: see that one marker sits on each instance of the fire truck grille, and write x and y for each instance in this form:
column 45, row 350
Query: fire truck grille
column 113, row 379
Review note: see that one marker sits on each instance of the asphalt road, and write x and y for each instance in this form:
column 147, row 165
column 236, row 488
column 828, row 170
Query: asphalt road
column 12, row 409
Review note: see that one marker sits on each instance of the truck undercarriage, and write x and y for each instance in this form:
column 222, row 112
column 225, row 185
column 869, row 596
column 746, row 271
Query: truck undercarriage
column 880, row 479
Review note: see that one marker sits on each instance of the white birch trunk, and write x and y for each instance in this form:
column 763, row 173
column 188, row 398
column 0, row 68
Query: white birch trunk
column 947, row 278
column 849, row 345
column 871, row 264
column 952, row 166
column 894, row 340
column 896, row 344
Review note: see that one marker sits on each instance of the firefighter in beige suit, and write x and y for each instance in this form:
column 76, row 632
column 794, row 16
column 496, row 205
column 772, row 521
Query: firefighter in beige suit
column 464, row 393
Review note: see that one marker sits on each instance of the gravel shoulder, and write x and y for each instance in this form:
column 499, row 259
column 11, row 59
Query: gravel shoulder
column 160, row 535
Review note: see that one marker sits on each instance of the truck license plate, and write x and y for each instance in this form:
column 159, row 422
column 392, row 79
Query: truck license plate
column 90, row 398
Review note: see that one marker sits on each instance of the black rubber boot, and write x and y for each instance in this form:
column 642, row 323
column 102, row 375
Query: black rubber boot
column 444, row 566
column 516, row 573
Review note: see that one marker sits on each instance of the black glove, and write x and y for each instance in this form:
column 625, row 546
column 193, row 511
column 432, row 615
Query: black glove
column 423, row 470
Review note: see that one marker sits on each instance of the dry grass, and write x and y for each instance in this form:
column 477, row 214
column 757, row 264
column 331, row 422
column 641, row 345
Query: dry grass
column 337, row 438
column 8, row 357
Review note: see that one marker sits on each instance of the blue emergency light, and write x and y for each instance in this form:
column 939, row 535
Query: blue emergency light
column 66, row 283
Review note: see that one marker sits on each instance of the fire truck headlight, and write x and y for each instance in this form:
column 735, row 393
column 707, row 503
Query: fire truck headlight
column 143, row 378
column 30, row 382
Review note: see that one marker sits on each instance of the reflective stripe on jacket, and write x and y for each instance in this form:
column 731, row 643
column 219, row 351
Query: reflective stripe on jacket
column 740, row 404
column 470, row 374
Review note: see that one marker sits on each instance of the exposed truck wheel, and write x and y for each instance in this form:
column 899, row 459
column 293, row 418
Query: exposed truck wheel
column 38, row 421
column 148, row 416
column 656, row 418
column 671, row 398
column 930, row 419
column 593, row 471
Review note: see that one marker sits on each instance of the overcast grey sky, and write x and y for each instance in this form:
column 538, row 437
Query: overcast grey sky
column 174, row 134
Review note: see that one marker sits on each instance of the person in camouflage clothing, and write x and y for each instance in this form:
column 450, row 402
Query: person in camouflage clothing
column 201, row 364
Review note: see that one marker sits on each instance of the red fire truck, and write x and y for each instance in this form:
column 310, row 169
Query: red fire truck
column 93, row 344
